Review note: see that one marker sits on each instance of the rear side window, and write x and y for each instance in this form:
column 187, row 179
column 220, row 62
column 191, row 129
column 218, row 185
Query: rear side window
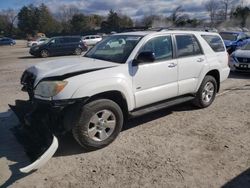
column 187, row 45
column 214, row 42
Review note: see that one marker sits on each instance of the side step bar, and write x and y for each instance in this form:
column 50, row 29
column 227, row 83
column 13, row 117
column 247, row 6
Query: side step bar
column 161, row 105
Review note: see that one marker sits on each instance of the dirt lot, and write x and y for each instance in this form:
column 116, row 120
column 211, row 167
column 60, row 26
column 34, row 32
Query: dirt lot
column 178, row 147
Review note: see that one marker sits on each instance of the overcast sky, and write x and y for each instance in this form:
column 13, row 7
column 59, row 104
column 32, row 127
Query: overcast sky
column 132, row 8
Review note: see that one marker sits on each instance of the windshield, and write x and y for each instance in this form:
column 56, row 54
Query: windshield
column 246, row 47
column 115, row 48
column 229, row 36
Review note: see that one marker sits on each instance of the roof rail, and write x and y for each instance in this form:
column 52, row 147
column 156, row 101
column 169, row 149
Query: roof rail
column 159, row 29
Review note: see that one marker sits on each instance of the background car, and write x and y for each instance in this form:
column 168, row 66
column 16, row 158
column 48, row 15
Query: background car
column 91, row 40
column 59, row 46
column 240, row 59
column 234, row 40
column 7, row 41
column 36, row 42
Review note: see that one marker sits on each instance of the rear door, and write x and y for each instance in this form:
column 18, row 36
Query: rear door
column 190, row 62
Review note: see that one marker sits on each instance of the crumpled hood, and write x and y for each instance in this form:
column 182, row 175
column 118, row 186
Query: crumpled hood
column 62, row 67
column 242, row 53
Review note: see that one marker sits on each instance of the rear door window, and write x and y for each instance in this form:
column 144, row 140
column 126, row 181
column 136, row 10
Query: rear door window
column 214, row 42
column 187, row 45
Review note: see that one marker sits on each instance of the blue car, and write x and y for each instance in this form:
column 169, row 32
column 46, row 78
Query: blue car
column 7, row 41
column 234, row 40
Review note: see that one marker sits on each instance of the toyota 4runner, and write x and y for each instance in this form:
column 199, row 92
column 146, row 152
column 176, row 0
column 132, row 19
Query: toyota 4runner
column 125, row 75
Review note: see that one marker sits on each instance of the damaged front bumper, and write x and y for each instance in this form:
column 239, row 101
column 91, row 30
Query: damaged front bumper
column 41, row 122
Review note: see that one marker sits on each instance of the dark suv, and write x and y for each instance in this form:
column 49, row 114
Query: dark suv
column 59, row 46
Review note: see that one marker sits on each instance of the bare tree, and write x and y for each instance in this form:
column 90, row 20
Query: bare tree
column 67, row 12
column 10, row 15
column 177, row 15
column 212, row 6
column 226, row 6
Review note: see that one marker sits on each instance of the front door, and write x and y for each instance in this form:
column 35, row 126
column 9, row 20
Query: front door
column 157, row 80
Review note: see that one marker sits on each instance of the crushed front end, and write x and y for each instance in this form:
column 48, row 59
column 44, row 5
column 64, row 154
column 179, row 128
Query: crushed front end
column 41, row 122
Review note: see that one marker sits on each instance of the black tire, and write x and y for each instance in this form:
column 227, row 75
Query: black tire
column 44, row 53
column 82, row 128
column 78, row 51
column 199, row 100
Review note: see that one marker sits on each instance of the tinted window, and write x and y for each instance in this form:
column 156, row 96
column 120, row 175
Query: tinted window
column 229, row 36
column 161, row 46
column 187, row 45
column 75, row 40
column 214, row 42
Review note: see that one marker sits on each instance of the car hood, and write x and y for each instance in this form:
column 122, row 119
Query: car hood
column 242, row 53
column 68, row 67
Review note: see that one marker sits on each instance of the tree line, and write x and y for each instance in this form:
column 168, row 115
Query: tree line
column 71, row 21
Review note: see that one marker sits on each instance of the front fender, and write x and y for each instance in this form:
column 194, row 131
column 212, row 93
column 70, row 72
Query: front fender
column 111, row 84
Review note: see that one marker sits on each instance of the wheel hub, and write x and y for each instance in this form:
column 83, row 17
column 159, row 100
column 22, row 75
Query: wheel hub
column 101, row 125
column 208, row 92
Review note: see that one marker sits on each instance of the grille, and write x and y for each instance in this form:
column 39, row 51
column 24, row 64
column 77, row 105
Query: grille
column 243, row 60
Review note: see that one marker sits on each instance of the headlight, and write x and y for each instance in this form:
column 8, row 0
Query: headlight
column 49, row 88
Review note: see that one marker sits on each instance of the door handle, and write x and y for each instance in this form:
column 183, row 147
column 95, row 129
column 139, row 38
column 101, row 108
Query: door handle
column 172, row 65
column 200, row 60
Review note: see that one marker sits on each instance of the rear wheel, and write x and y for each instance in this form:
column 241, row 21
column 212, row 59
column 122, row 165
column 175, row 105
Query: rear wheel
column 78, row 51
column 206, row 93
column 100, row 123
column 44, row 53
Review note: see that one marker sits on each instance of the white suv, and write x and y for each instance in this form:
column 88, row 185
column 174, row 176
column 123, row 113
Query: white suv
column 91, row 40
column 93, row 95
column 36, row 42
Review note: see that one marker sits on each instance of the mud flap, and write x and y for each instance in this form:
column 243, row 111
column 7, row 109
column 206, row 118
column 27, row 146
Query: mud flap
column 43, row 159
column 34, row 134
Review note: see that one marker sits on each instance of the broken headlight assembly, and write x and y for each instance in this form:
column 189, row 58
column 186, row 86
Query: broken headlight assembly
column 50, row 88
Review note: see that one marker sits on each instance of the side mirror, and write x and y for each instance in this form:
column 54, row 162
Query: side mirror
column 144, row 57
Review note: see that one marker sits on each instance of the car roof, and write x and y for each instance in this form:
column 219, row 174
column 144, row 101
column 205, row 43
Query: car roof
column 144, row 33
column 66, row 37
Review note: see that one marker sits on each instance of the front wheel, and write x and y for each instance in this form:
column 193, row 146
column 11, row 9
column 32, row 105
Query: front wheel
column 100, row 123
column 206, row 93
column 44, row 53
column 78, row 51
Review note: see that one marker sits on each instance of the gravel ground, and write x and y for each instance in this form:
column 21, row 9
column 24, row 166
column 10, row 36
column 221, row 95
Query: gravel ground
column 177, row 147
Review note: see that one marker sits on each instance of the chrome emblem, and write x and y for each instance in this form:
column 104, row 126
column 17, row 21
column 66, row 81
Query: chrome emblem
column 244, row 60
